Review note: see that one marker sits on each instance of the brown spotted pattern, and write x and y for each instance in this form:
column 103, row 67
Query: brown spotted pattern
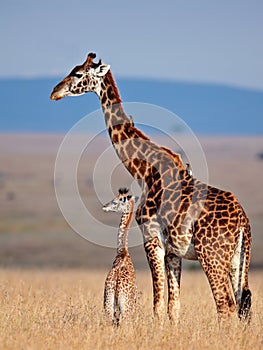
column 120, row 285
column 179, row 216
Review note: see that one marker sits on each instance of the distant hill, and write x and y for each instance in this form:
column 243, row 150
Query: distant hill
column 208, row 109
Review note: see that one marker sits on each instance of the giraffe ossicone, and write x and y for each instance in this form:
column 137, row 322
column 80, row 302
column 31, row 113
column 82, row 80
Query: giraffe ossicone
column 179, row 216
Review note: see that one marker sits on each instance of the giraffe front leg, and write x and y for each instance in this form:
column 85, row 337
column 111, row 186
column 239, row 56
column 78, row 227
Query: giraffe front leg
column 173, row 266
column 155, row 255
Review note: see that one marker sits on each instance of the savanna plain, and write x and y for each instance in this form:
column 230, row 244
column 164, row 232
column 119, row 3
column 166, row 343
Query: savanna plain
column 52, row 280
column 63, row 310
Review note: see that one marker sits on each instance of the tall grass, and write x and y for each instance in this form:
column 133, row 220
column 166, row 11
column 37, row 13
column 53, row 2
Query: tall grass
column 62, row 309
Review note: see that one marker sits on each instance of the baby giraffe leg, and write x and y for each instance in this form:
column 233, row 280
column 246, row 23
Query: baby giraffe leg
column 109, row 296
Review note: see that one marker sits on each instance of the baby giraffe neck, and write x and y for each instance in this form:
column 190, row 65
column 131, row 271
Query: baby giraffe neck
column 123, row 232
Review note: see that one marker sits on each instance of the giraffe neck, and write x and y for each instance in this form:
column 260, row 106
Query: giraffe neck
column 112, row 107
column 109, row 94
column 126, row 139
column 138, row 153
column 122, row 244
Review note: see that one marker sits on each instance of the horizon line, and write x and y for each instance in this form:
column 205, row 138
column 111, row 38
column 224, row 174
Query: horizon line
column 144, row 78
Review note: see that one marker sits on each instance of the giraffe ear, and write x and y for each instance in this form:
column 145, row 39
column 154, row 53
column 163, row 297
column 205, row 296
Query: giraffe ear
column 136, row 198
column 102, row 70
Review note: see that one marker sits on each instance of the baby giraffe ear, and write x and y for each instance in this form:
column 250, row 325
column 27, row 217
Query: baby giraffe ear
column 102, row 70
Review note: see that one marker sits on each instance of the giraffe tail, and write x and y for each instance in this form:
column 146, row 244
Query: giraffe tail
column 244, row 310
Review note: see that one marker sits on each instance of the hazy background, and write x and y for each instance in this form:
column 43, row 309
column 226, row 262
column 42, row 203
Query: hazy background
column 201, row 60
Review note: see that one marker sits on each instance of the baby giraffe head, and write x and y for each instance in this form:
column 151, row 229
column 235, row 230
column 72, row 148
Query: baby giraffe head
column 123, row 203
column 83, row 78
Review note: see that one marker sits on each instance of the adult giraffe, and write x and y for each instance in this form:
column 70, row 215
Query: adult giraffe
column 179, row 216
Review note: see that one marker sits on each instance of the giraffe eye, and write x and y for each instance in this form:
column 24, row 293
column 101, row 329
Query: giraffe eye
column 78, row 75
column 123, row 199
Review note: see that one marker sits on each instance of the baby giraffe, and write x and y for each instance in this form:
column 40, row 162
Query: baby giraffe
column 120, row 287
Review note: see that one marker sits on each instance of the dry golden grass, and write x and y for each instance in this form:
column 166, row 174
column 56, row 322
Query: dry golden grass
column 62, row 309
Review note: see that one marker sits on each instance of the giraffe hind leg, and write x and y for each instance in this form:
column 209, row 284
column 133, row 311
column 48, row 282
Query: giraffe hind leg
column 109, row 304
column 110, row 297
column 217, row 275
column 122, row 300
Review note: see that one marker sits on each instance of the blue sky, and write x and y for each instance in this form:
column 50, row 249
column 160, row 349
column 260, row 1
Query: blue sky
column 195, row 40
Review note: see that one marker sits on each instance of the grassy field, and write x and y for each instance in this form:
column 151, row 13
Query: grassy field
column 62, row 309
column 52, row 280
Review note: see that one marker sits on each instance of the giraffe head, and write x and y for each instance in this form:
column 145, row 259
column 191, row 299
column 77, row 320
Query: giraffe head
column 83, row 78
column 123, row 203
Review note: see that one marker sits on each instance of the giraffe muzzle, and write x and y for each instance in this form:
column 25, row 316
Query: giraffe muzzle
column 56, row 96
